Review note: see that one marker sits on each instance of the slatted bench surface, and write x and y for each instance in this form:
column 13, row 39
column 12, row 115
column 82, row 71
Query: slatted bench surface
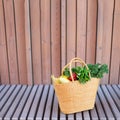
column 39, row 102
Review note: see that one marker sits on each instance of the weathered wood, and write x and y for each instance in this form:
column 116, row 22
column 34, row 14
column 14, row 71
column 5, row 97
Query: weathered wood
column 22, row 103
column 28, row 43
column 13, row 107
column 81, row 28
column 28, row 103
column 55, row 108
column 11, row 41
column 105, row 104
column 4, row 66
column 114, row 96
column 6, row 96
column 71, row 29
column 4, row 91
column 63, row 33
column 114, row 109
column 45, row 37
column 48, row 107
column 99, row 108
column 10, row 101
column 35, row 17
column 35, row 103
column 91, row 31
column 20, row 39
column 55, row 36
column 1, row 87
column 42, row 104
column 86, row 115
column 115, row 59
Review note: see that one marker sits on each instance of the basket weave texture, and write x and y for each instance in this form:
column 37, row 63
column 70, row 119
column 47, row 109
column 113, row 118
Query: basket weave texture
column 76, row 97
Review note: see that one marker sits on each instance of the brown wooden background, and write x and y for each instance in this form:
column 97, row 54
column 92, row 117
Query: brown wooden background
column 38, row 37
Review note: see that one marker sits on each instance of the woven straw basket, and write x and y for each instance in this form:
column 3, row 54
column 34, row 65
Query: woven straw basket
column 73, row 96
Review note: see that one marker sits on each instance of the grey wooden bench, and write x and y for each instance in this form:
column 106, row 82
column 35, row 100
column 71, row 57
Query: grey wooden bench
column 40, row 102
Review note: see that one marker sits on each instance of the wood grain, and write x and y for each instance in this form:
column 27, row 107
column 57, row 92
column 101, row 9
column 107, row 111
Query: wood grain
column 115, row 59
column 4, row 66
column 55, row 36
column 28, row 43
column 36, row 40
column 11, row 41
column 45, row 36
column 20, row 34
column 81, row 28
column 71, row 29
column 91, row 31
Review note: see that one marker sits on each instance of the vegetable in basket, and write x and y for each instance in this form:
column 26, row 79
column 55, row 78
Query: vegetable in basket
column 82, row 73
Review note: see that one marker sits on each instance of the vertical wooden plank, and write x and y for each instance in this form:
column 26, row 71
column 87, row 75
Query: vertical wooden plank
column 45, row 36
column 36, row 40
column 115, row 55
column 55, row 36
column 81, row 28
column 105, row 34
column 28, row 43
column 63, row 33
column 71, row 29
column 91, row 31
column 20, row 34
column 11, row 41
column 4, row 67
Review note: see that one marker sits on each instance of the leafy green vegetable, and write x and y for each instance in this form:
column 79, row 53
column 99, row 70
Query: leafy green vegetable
column 96, row 70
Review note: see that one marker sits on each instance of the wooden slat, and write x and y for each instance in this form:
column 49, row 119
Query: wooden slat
column 99, row 108
column 63, row 33
column 70, row 117
column 116, row 90
column 114, row 96
column 35, row 103
column 15, row 103
column 41, row 107
column 55, row 108
column 28, row 104
column 86, row 115
column 105, row 104
column 104, row 33
column 55, row 36
column 28, row 43
column 1, row 87
column 20, row 34
column 6, row 96
column 79, row 116
column 4, row 67
column 22, row 103
column 36, row 40
column 48, row 107
column 91, row 31
column 115, row 58
column 11, row 41
column 9, row 102
column 93, row 113
column 81, row 28
column 62, row 116
column 114, row 109
column 3, row 92
column 71, row 29
column 45, row 37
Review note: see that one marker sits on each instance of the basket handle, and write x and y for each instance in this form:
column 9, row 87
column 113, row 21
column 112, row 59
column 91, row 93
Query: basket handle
column 70, row 65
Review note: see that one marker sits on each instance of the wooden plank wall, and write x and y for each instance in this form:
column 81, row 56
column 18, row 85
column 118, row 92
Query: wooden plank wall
column 38, row 37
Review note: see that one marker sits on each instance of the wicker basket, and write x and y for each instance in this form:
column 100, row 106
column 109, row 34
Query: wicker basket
column 75, row 97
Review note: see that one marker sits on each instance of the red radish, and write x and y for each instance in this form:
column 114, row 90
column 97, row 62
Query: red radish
column 74, row 77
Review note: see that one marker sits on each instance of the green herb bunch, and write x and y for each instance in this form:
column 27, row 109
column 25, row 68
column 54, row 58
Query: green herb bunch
column 82, row 73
